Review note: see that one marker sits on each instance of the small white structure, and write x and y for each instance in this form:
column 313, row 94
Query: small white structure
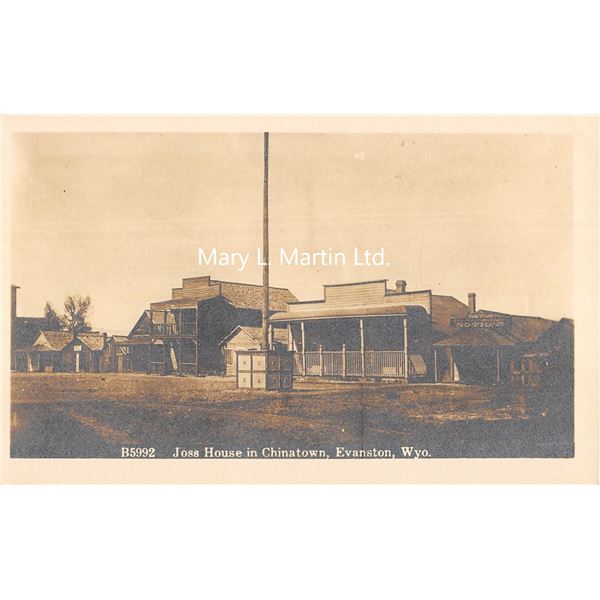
column 264, row 369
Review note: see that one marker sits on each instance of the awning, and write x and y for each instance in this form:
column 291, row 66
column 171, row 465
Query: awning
column 345, row 312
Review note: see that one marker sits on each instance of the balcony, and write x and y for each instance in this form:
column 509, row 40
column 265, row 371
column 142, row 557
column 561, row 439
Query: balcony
column 174, row 329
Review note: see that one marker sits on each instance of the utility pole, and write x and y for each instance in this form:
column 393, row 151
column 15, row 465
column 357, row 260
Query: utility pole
column 265, row 310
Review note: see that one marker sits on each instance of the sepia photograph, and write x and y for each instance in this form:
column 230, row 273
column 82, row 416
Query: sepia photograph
column 275, row 295
column 299, row 300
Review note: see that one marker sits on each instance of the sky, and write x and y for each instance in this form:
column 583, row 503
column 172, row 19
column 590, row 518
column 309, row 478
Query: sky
column 121, row 216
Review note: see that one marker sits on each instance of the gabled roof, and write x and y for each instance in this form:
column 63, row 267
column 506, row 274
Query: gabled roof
column 93, row 340
column 255, row 333
column 144, row 317
column 58, row 340
column 54, row 340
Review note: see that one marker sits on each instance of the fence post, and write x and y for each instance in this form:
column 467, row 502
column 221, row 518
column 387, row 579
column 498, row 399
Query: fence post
column 406, row 360
column 344, row 364
column 303, row 349
column 362, row 348
column 321, row 365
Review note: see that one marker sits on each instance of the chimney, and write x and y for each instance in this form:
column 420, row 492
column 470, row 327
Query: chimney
column 13, row 301
column 401, row 286
column 472, row 303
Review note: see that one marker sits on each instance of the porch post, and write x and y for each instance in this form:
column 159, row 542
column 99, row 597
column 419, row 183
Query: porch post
column 344, row 363
column 165, row 329
column 271, row 337
column 290, row 337
column 303, row 348
column 498, row 364
column 405, row 332
column 165, row 357
column 150, row 341
column 197, row 338
column 435, row 366
column 362, row 347
column 321, row 365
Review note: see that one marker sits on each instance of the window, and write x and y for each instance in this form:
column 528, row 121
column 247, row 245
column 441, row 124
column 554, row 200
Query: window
column 229, row 356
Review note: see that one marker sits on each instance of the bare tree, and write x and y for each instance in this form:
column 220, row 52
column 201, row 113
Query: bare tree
column 77, row 309
column 54, row 321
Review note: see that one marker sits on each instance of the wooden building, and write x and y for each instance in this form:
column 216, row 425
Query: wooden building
column 23, row 330
column 183, row 335
column 62, row 351
column 247, row 338
column 488, row 347
column 365, row 329
column 115, row 356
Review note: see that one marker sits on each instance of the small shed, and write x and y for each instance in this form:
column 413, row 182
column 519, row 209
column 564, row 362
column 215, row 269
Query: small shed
column 62, row 351
column 247, row 338
column 115, row 354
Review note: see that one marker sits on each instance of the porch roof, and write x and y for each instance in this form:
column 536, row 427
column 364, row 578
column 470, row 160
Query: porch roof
column 344, row 312
column 476, row 338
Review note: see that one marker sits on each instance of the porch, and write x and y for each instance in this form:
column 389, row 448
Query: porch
column 383, row 344
column 352, row 363
column 475, row 356
column 163, row 356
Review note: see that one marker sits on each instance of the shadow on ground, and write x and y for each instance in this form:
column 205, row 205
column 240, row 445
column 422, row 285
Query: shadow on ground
column 94, row 415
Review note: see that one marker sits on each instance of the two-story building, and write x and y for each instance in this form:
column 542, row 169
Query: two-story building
column 183, row 334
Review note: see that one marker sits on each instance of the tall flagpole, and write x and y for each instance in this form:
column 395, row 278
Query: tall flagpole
column 265, row 309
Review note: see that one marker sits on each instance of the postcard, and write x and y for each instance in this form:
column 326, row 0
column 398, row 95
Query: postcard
column 300, row 299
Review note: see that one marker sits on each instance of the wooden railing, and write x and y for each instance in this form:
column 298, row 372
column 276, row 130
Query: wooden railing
column 174, row 329
column 371, row 363
column 184, row 368
column 188, row 368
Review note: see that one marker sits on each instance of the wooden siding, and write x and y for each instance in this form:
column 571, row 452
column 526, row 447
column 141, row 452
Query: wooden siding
column 195, row 287
column 355, row 294
column 366, row 294
column 240, row 341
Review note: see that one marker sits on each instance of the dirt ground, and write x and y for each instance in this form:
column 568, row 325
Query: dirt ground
column 97, row 414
